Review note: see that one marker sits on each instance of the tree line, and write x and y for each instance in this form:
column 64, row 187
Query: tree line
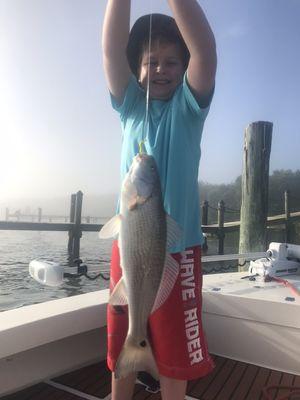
column 279, row 182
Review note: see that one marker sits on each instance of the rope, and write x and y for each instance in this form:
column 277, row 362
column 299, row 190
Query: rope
column 227, row 209
column 213, row 208
column 294, row 391
column 227, row 268
column 288, row 284
column 92, row 278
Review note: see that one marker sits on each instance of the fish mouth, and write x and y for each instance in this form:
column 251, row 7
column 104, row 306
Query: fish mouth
column 141, row 156
column 142, row 175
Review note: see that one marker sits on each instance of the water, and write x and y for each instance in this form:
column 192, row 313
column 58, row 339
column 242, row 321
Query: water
column 18, row 248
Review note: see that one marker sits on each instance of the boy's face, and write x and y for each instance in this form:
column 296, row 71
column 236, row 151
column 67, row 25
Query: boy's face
column 165, row 68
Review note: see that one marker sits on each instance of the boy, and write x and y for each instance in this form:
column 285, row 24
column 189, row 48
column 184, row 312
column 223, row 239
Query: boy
column 177, row 70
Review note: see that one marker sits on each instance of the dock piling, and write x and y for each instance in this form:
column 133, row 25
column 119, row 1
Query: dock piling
column 39, row 214
column 77, row 233
column 204, row 212
column 221, row 233
column 287, row 215
column 72, row 219
column 255, row 184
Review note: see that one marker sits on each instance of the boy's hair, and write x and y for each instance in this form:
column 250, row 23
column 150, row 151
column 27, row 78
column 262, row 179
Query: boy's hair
column 163, row 30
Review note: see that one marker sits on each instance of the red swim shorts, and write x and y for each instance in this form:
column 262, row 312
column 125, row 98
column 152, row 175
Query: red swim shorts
column 175, row 329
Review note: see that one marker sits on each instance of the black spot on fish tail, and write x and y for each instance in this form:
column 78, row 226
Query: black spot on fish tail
column 119, row 310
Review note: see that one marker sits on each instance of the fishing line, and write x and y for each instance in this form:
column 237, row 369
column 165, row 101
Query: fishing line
column 146, row 124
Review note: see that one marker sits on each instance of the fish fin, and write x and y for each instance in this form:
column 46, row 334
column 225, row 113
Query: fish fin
column 111, row 228
column 135, row 357
column 142, row 199
column 135, row 201
column 169, row 276
column 118, row 296
column 174, row 232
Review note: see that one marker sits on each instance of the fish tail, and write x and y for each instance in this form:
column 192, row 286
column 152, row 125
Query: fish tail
column 136, row 357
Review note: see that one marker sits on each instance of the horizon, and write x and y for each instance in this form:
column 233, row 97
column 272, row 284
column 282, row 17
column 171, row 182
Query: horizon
column 59, row 133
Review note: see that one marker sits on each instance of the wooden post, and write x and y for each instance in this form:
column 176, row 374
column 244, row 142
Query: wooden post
column 221, row 233
column 77, row 225
column 72, row 218
column 204, row 212
column 39, row 214
column 255, row 185
column 287, row 215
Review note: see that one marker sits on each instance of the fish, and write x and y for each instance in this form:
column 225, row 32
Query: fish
column 145, row 233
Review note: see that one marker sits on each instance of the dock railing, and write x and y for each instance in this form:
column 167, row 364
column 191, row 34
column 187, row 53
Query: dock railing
column 76, row 226
column 284, row 221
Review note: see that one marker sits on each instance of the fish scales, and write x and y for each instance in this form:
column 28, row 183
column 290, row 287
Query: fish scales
column 143, row 247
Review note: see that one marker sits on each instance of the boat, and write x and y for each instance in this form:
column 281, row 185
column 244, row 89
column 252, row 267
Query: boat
column 252, row 328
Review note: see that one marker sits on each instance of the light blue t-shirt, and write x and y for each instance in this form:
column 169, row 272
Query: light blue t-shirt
column 173, row 139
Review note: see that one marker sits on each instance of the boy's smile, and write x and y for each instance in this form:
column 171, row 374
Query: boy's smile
column 165, row 68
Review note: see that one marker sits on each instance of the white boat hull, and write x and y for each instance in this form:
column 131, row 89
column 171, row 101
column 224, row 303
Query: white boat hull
column 45, row 340
column 241, row 321
column 252, row 321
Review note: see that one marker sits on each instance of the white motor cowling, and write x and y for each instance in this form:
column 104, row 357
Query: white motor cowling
column 284, row 259
column 46, row 272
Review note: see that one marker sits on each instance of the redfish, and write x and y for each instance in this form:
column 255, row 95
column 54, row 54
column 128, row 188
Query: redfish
column 145, row 232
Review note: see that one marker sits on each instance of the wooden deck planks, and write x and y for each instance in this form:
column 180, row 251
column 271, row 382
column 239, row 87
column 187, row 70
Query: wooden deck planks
column 274, row 379
column 260, row 382
column 283, row 387
column 246, row 382
column 230, row 380
column 198, row 387
column 93, row 380
column 221, row 378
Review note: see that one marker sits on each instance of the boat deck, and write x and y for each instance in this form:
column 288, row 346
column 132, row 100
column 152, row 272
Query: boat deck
column 230, row 380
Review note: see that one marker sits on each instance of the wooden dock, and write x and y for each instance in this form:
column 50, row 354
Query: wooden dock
column 234, row 226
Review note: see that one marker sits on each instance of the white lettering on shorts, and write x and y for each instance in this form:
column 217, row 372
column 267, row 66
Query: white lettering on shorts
column 191, row 320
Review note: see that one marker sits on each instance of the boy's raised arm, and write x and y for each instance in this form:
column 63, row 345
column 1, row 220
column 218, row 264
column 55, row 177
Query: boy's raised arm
column 114, row 41
column 200, row 41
